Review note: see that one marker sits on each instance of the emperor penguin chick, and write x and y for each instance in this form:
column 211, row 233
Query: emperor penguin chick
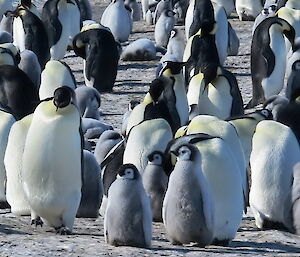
column 188, row 209
column 163, row 28
column 128, row 217
column 52, row 162
column 155, row 182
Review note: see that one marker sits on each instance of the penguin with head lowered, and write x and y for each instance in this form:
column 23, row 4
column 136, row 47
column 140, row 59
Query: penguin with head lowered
column 220, row 97
column 62, row 22
column 99, row 50
column 52, row 172
column 128, row 217
column 29, row 33
column 268, row 58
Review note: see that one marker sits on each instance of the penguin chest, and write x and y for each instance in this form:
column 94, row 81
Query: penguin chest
column 52, row 158
column 216, row 99
column 273, row 84
column 19, row 34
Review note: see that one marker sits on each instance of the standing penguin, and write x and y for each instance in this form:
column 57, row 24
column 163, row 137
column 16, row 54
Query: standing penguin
column 52, row 172
column 155, row 182
column 188, row 208
column 128, row 217
column 6, row 121
column 62, row 22
column 100, row 53
column 29, row 33
column 272, row 161
column 163, row 28
column 117, row 18
column 55, row 74
column 160, row 8
column 268, row 58
column 13, row 164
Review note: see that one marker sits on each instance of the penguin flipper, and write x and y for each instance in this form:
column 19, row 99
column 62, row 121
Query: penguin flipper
column 269, row 59
column 90, row 63
column 237, row 107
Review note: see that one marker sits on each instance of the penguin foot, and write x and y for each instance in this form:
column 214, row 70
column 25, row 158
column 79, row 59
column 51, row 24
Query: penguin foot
column 63, row 230
column 218, row 242
column 4, row 205
column 37, row 222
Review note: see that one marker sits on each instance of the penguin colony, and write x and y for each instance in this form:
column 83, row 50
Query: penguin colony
column 186, row 151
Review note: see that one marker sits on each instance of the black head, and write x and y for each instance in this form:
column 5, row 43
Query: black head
column 26, row 3
column 156, row 89
column 296, row 66
column 169, row 13
column 175, row 67
column 156, row 157
column 128, row 171
column 63, row 96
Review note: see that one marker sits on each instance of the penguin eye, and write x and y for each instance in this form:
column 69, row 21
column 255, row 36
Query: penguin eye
column 272, row 8
column 265, row 113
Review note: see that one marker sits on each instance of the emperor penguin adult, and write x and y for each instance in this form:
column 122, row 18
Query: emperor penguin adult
column 154, row 135
column 29, row 33
column 155, row 182
column 272, row 161
column 20, row 96
column 6, row 122
column 247, row 10
column 188, row 207
column 62, row 22
column 117, row 18
column 128, row 217
column 268, row 58
column 220, row 97
column 15, row 194
column 163, row 28
column 88, row 102
column 99, row 50
column 213, row 126
column 223, row 176
column 55, row 74
column 52, row 173
column 85, row 9
column 92, row 189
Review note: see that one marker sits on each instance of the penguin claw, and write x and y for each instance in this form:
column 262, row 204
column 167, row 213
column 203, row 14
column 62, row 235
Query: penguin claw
column 37, row 222
column 63, row 231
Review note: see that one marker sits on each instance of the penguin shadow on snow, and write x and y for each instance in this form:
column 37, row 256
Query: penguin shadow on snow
column 8, row 230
